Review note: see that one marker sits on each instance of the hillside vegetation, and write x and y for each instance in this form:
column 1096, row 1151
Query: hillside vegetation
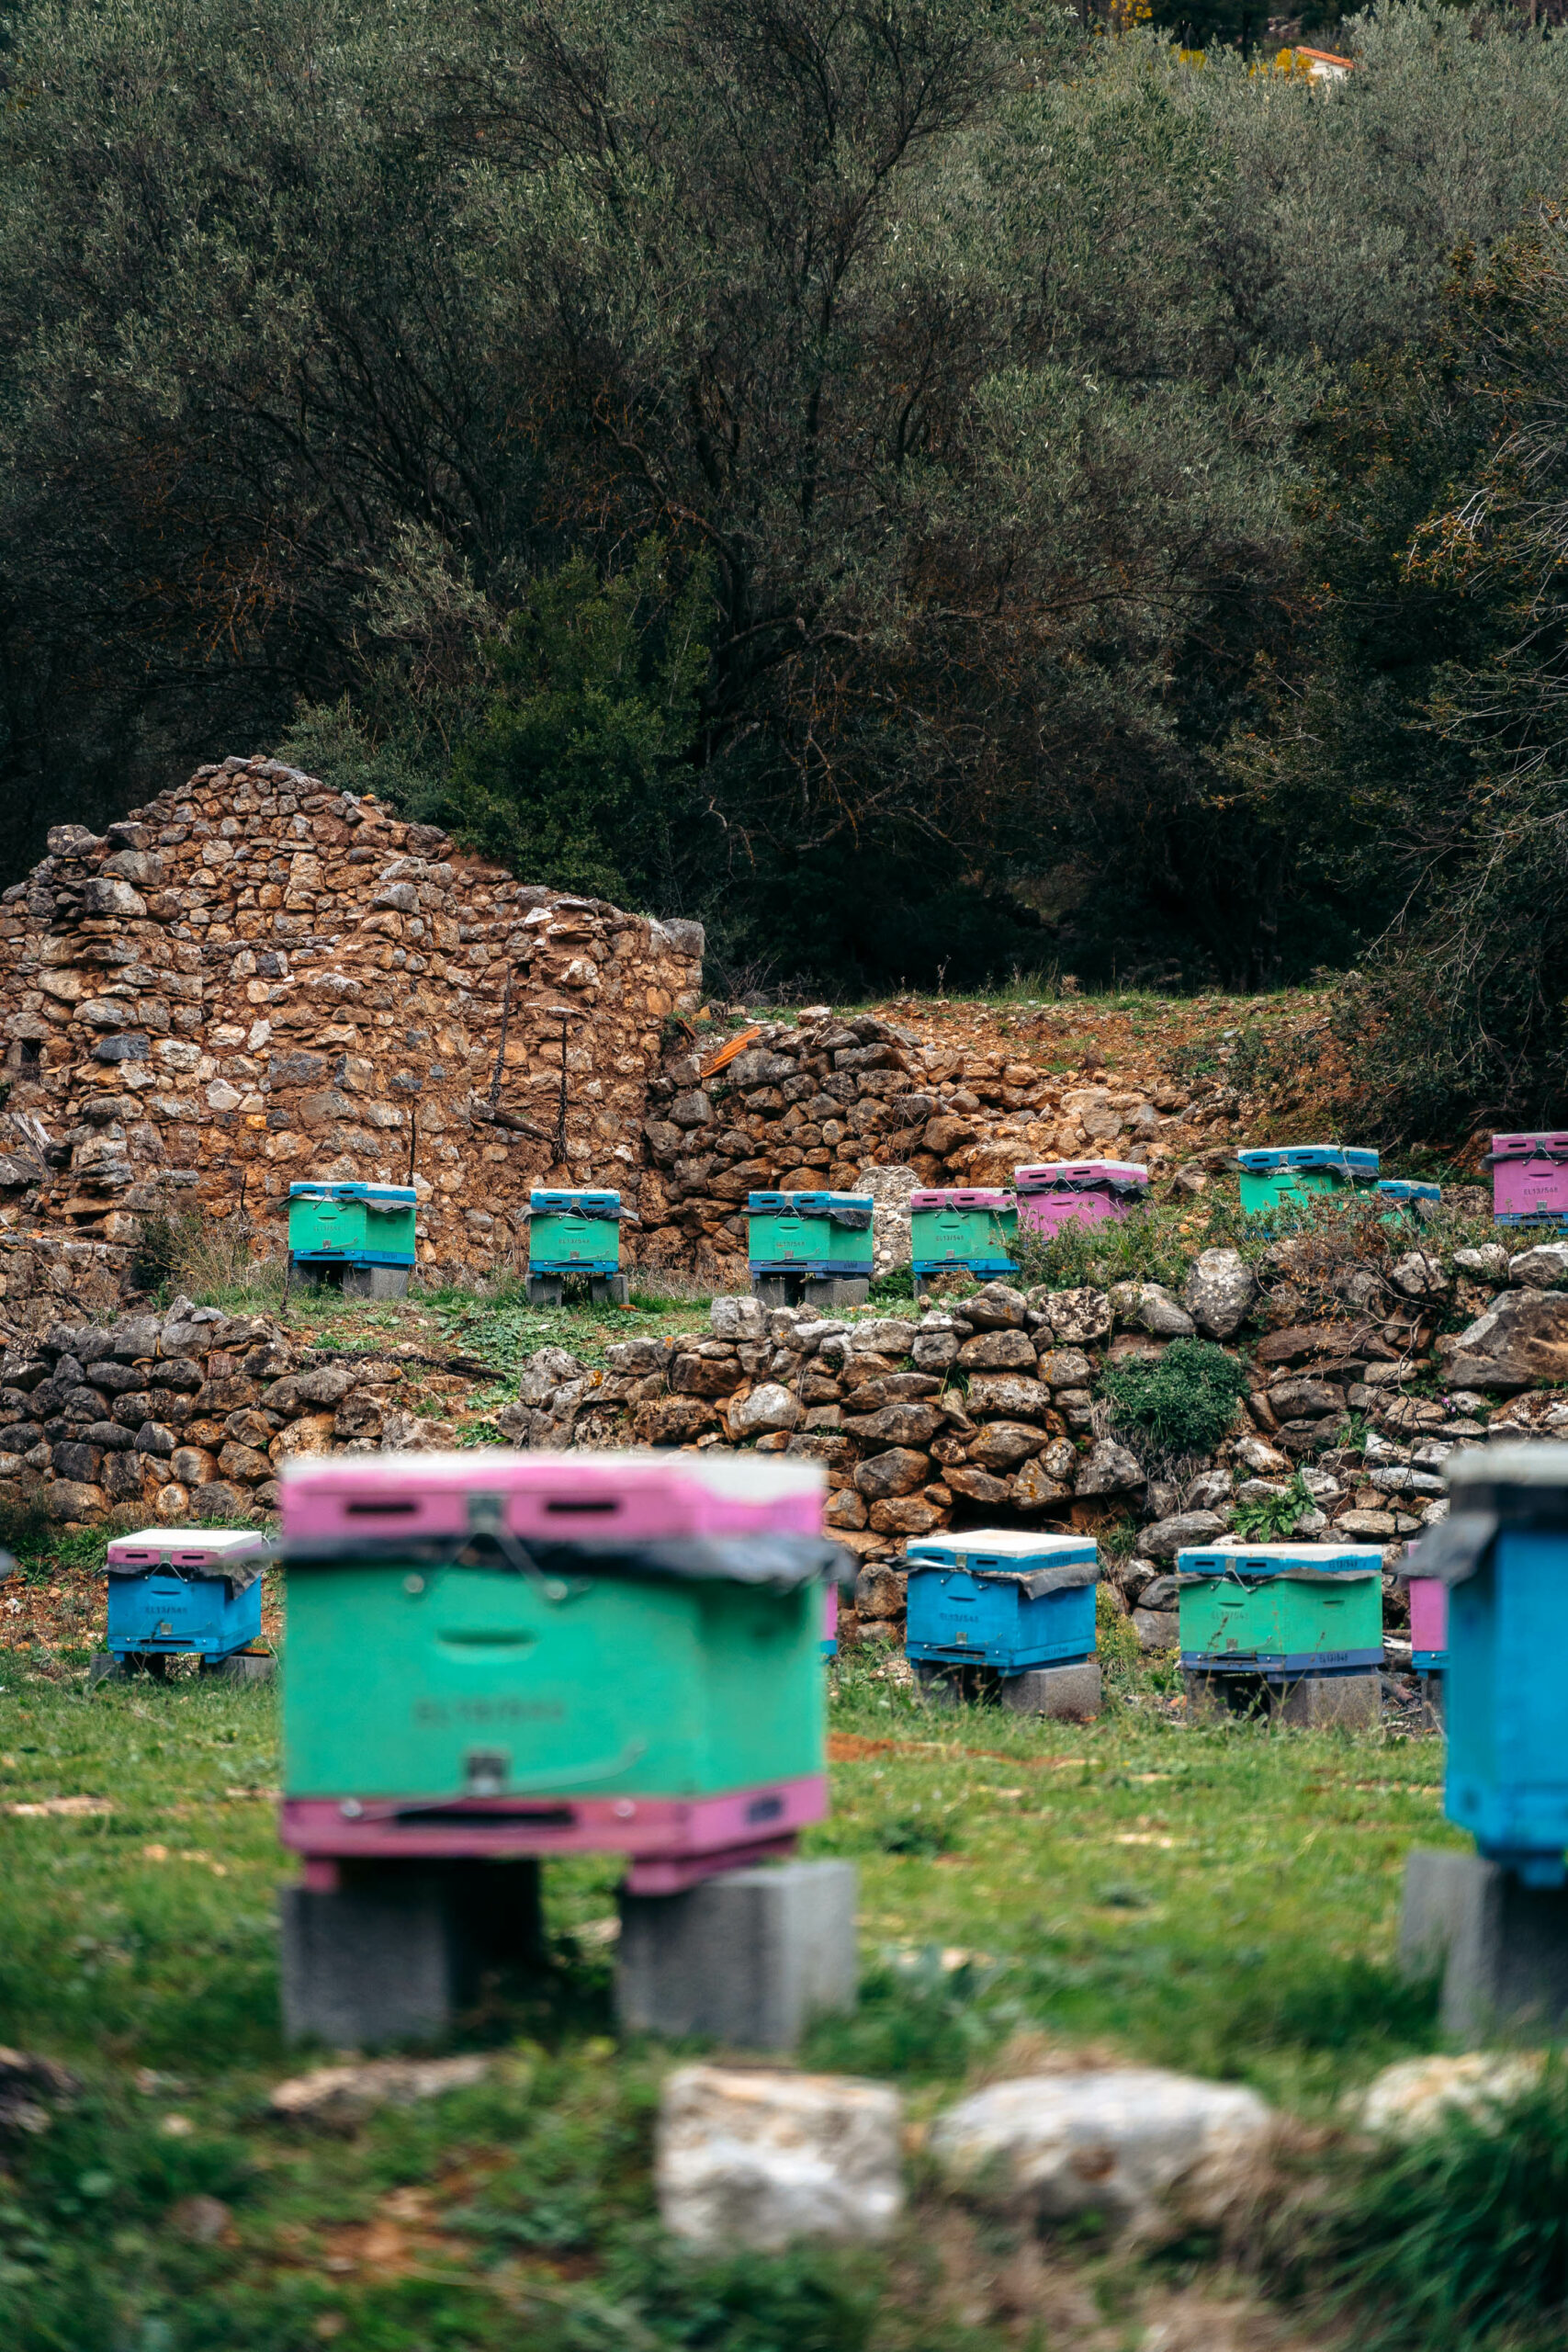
column 931, row 489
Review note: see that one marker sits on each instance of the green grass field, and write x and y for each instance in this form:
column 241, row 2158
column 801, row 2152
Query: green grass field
column 1221, row 1899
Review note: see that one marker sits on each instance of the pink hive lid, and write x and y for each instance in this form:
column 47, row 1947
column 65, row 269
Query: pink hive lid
column 1081, row 1171
column 958, row 1196
column 182, row 1547
column 1548, row 1143
column 644, row 1496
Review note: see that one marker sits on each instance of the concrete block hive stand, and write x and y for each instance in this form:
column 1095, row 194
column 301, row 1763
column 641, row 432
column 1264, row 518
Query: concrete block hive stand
column 495, row 1657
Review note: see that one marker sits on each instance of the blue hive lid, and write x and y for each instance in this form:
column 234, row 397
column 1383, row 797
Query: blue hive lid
column 1262, row 1161
column 780, row 1204
column 1002, row 1547
column 547, row 1203
column 403, row 1195
column 1401, row 1188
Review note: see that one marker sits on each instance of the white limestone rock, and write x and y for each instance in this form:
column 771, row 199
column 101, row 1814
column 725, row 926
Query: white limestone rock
column 1419, row 2095
column 1147, row 2149
column 757, row 2160
column 1219, row 1292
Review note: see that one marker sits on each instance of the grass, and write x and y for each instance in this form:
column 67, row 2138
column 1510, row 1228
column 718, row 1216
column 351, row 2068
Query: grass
column 1215, row 1898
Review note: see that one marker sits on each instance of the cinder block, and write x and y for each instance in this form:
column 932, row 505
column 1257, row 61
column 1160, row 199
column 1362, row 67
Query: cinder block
column 1318, row 1700
column 747, row 1958
column 1437, row 1888
column 835, row 1290
column 1507, row 1943
column 545, row 1290
column 937, row 1685
column 395, row 1951
column 610, row 1290
column 243, row 1665
column 772, row 1289
column 1071, row 1694
column 104, row 1667
column 375, row 1282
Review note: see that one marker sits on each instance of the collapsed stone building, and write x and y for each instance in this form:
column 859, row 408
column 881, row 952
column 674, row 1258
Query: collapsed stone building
column 253, row 981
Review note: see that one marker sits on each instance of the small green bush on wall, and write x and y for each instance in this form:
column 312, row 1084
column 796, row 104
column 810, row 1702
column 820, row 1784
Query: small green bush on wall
column 1182, row 1405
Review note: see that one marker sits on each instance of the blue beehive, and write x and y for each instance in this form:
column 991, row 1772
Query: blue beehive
column 1504, row 1554
column 1001, row 1597
column 179, row 1589
column 1405, row 1198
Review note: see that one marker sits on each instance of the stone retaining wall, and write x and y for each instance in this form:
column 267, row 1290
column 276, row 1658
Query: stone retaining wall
column 858, row 1103
column 978, row 1410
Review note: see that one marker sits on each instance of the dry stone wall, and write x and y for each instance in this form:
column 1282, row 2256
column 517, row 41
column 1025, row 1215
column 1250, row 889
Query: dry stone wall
column 860, row 1103
column 255, row 980
column 976, row 1411
column 158, row 1418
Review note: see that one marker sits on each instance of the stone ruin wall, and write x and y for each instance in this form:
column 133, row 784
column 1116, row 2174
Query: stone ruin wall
column 254, row 980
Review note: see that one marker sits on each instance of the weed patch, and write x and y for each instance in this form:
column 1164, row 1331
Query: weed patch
column 1184, row 1404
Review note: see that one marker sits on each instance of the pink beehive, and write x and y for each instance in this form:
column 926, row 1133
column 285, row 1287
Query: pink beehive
column 381, row 1502
column 1429, row 1620
column 1530, row 1176
column 638, row 1497
column 1077, row 1192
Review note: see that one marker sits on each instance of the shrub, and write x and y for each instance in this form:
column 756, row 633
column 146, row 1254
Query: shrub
column 1184, row 1404
column 1459, row 2238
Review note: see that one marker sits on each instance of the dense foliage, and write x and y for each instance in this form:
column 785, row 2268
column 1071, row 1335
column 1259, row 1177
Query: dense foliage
column 1179, row 1403
column 923, row 485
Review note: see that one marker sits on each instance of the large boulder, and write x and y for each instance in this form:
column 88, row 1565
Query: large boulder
column 1519, row 1343
column 1151, row 2151
column 1109, row 1469
column 747, row 2159
column 1219, row 1292
column 1078, row 1318
column 767, row 1406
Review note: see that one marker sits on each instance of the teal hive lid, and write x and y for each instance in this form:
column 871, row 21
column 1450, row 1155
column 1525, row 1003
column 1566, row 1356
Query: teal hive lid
column 399, row 1195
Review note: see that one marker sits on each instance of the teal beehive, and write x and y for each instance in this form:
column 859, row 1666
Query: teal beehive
column 574, row 1232
column 352, row 1224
